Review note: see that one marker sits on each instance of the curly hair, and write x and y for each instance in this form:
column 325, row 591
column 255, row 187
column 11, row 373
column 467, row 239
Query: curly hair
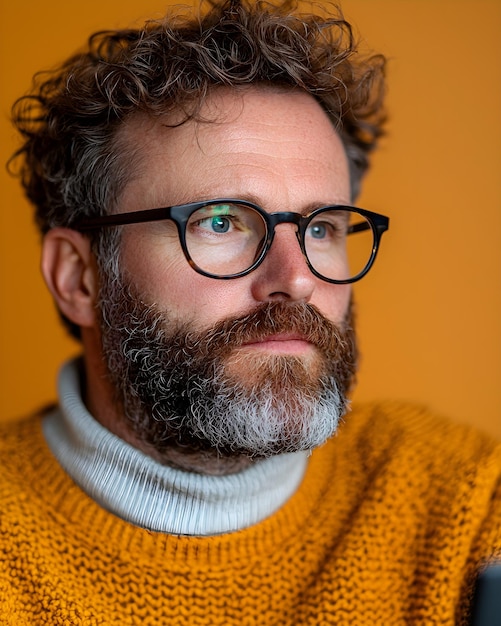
column 72, row 163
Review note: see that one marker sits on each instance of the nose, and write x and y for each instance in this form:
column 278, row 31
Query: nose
column 284, row 274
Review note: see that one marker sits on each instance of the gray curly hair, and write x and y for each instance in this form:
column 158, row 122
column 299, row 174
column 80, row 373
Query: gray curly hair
column 72, row 164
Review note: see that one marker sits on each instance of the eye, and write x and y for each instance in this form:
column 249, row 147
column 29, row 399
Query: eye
column 329, row 226
column 318, row 230
column 216, row 219
column 323, row 230
column 216, row 224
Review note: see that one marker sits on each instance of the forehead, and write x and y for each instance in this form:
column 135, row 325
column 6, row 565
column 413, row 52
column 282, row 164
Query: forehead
column 242, row 142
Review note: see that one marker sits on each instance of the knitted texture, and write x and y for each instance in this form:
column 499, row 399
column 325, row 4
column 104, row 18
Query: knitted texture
column 389, row 525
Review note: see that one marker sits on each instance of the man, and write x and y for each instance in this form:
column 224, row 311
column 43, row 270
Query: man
column 194, row 182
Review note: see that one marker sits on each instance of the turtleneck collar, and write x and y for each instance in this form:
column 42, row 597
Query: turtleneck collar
column 138, row 489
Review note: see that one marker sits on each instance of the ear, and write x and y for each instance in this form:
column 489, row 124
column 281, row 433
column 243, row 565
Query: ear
column 69, row 269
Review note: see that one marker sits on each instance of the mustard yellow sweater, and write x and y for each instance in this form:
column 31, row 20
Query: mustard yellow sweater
column 388, row 527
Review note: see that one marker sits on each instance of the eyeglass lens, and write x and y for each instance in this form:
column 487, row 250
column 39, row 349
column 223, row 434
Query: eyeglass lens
column 225, row 239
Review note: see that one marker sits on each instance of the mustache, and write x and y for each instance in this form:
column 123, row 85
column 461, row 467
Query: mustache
column 273, row 318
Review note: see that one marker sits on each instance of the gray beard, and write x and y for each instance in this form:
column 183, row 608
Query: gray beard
column 176, row 389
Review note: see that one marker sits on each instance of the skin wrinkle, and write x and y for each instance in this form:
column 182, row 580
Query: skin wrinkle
column 149, row 127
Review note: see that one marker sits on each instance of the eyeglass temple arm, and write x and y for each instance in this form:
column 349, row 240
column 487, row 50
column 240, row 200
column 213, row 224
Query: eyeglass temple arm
column 121, row 219
column 361, row 226
column 357, row 228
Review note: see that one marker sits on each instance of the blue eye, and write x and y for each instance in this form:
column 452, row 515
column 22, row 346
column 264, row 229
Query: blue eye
column 219, row 224
column 318, row 231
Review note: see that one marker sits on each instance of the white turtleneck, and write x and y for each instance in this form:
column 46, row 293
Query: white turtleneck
column 142, row 491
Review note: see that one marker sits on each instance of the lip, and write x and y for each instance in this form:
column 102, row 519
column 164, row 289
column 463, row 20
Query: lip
column 283, row 343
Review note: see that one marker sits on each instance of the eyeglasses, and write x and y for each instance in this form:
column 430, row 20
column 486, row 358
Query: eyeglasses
column 228, row 238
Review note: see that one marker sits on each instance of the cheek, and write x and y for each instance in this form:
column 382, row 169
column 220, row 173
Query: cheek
column 153, row 266
column 332, row 301
column 202, row 301
column 162, row 275
column 150, row 265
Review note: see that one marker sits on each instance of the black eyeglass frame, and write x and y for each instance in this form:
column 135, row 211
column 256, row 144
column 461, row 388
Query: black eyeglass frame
column 180, row 215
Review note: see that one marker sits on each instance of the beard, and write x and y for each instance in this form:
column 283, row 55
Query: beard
column 201, row 391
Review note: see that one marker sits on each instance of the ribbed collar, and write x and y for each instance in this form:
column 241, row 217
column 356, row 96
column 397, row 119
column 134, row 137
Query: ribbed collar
column 136, row 488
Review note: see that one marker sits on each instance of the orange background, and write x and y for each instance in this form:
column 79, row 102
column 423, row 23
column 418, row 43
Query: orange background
column 429, row 312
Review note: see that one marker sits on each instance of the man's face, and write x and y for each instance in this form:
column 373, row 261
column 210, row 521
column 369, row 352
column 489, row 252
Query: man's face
column 277, row 149
column 265, row 340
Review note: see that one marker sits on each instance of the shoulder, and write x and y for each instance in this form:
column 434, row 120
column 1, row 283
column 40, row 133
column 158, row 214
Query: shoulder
column 18, row 433
column 23, row 453
column 418, row 433
column 402, row 451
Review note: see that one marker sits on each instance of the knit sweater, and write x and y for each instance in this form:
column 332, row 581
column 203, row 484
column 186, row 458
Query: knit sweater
column 388, row 526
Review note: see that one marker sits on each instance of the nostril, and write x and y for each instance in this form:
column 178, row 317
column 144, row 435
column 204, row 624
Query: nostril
column 279, row 296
